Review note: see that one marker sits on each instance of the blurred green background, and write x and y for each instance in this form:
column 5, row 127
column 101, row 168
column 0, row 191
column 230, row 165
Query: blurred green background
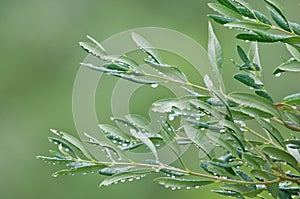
column 39, row 59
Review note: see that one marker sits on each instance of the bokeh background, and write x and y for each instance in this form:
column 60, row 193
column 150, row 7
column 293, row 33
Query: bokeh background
column 39, row 59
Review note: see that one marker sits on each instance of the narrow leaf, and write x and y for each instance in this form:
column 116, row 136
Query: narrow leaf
column 144, row 139
column 279, row 154
column 146, row 46
column 254, row 101
column 122, row 177
column 181, row 183
column 290, row 66
column 215, row 55
column 294, row 52
column 247, row 25
column 292, row 99
column 79, row 170
column 74, row 141
column 247, row 80
column 223, row 10
column 220, row 19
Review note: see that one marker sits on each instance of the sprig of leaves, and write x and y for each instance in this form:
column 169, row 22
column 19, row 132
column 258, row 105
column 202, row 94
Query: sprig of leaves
column 245, row 165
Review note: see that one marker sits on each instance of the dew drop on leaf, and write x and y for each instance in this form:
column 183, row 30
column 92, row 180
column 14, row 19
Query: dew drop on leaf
column 154, row 85
column 278, row 74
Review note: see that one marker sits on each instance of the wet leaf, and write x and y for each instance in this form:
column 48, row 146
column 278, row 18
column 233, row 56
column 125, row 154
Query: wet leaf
column 254, row 101
column 280, row 155
column 122, row 177
column 79, row 170
column 182, row 183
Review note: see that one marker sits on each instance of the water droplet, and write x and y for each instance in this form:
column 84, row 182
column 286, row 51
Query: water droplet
column 154, row 85
column 197, row 187
column 130, row 179
column 171, row 117
column 123, row 180
column 188, row 187
column 278, row 74
column 222, row 130
column 173, row 188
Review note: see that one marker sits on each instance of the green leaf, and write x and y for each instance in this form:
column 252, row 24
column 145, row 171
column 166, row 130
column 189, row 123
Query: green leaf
column 177, row 183
column 251, row 112
column 270, row 129
column 79, row 170
column 166, row 105
column 74, row 141
column 220, row 19
column 281, row 22
column 55, row 160
column 199, row 139
column 137, row 79
column 239, row 188
column 277, row 8
column 122, row 177
column 243, row 55
column 262, row 36
column 292, row 99
column 261, row 17
column 254, row 101
column 253, row 55
column 109, row 171
column 215, row 56
column 284, row 195
column 103, row 69
column 273, row 189
column 142, row 43
column 93, row 50
column 235, row 128
column 225, row 144
column 247, row 25
column 262, row 175
column 229, row 4
column 172, row 173
column 226, row 193
column 264, row 95
column 206, row 107
column 244, row 4
column 290, row 66
column 281, row 155
column 218, row 94
column 246, row 12
column 295, row 27
column 294, row 52
column 145, row 140
column 223, row 165
column 64, row 147
column 251, row 160
column 139, row 121
column 117, row 136
column 253, row 193
column 294, row 144
column 168, row 134
column 247, row 80
column 223, row 10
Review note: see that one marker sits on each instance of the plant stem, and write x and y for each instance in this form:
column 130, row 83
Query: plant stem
column 262, row 137
column 162, row 166
column 176, row 81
